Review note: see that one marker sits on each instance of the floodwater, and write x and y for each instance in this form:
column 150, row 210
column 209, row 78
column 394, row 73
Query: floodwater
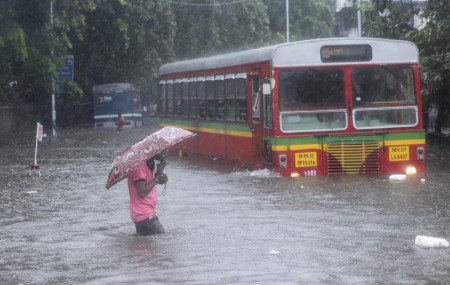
column 224, row 226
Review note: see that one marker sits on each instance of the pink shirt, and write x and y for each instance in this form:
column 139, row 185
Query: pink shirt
column 141, row 208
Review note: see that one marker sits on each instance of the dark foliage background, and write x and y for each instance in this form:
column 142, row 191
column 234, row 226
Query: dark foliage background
column 127, row 41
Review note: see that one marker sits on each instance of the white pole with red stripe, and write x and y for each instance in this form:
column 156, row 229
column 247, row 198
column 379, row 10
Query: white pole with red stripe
column 39, row 131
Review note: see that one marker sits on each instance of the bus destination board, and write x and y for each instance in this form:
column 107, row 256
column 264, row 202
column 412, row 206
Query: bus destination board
column 346, row 53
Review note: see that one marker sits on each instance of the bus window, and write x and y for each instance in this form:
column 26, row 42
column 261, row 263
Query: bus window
column 177, row 97
column 162, row 98
column 311, row 88
column 383, row 85
column 184, row 97
column 385, row 117
column 169, row 97
column 193, row 98
column 230, row 96
column 220, row 96
column 210, row 104
column 241, row 97
column 201, row 97
column 308, row 121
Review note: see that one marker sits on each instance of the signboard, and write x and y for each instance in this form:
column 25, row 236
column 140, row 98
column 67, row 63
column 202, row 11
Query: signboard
column 306, row 159
column 399, row 153
column 40, row 130
column 346, row 53
column 64, row 74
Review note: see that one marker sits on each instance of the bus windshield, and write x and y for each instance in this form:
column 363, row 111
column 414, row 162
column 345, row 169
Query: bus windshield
column 383, row 85
column 303, row 92
column 311, row 89
column 383, row 92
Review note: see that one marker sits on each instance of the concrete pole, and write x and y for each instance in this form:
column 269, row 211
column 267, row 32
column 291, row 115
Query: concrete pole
column 53, row 84
column 287, row 21
column 359, row 19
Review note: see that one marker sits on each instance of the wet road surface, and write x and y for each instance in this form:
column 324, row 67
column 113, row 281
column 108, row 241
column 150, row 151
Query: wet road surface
column 223, row 226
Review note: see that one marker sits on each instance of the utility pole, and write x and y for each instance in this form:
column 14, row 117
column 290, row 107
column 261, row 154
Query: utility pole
column 53, row 84
column 359, row 19
column 287, row 21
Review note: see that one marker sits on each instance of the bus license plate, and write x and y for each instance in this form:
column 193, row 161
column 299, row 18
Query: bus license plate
column 399, row 153
column 306, row 159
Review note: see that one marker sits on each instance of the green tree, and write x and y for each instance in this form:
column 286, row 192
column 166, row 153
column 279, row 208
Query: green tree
column 31, row 48
column 217, row 26
column 123, row 41
column 243, row 25
column 381, row 18
column 308, row 19
column 13, row 51
column 434, row 45
column 197, row 30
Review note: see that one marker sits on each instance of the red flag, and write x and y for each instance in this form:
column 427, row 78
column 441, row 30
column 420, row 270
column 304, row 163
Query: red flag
column 40, row 130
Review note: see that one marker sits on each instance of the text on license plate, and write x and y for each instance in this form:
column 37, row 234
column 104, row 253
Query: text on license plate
column 306, row 159
column 399, row 153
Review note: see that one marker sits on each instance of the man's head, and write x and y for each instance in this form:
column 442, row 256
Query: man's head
column 151, row 162
column 160, row 157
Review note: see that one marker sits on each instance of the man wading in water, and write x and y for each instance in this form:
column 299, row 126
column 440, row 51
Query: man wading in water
column 120, row 122
column 143, row 197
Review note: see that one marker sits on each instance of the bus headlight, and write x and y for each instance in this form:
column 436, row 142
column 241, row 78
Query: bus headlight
column 420, row 154
column 410, row 170
column 295, row 174
column 282, row 160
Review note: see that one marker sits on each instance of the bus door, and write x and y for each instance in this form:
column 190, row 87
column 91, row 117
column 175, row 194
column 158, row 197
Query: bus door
column 256, row 120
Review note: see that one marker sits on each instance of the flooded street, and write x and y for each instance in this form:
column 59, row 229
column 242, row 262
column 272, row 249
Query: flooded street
column 222, row 226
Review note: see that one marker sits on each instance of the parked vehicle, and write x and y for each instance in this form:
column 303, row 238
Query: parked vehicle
column 113, row 99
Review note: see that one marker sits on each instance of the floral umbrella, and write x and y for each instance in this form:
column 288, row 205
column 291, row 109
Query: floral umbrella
column 144, row 149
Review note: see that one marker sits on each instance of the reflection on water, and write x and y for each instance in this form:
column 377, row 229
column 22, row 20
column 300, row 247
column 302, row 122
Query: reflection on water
column 222, row 223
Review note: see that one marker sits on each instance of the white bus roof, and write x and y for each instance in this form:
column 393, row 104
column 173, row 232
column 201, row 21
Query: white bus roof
column 303, row 53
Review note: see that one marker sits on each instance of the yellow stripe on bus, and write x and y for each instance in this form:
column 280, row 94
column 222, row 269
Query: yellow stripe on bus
column 296, row 147
column 404, row 142
column 213, row 131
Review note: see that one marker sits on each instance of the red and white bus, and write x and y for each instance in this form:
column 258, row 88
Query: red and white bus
column 315, row 107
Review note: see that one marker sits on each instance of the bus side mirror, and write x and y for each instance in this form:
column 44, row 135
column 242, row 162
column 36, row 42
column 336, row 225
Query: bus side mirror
column 266, row 88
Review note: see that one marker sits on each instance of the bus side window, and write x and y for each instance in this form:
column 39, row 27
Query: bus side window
column 192, row 98
column 210, row 106
column 169, row 98
column 241, row 98
column 230, row 96
column 162, row 98
column 201, row 99
column 185, row 98
column 177, row 98
column 220, row 97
